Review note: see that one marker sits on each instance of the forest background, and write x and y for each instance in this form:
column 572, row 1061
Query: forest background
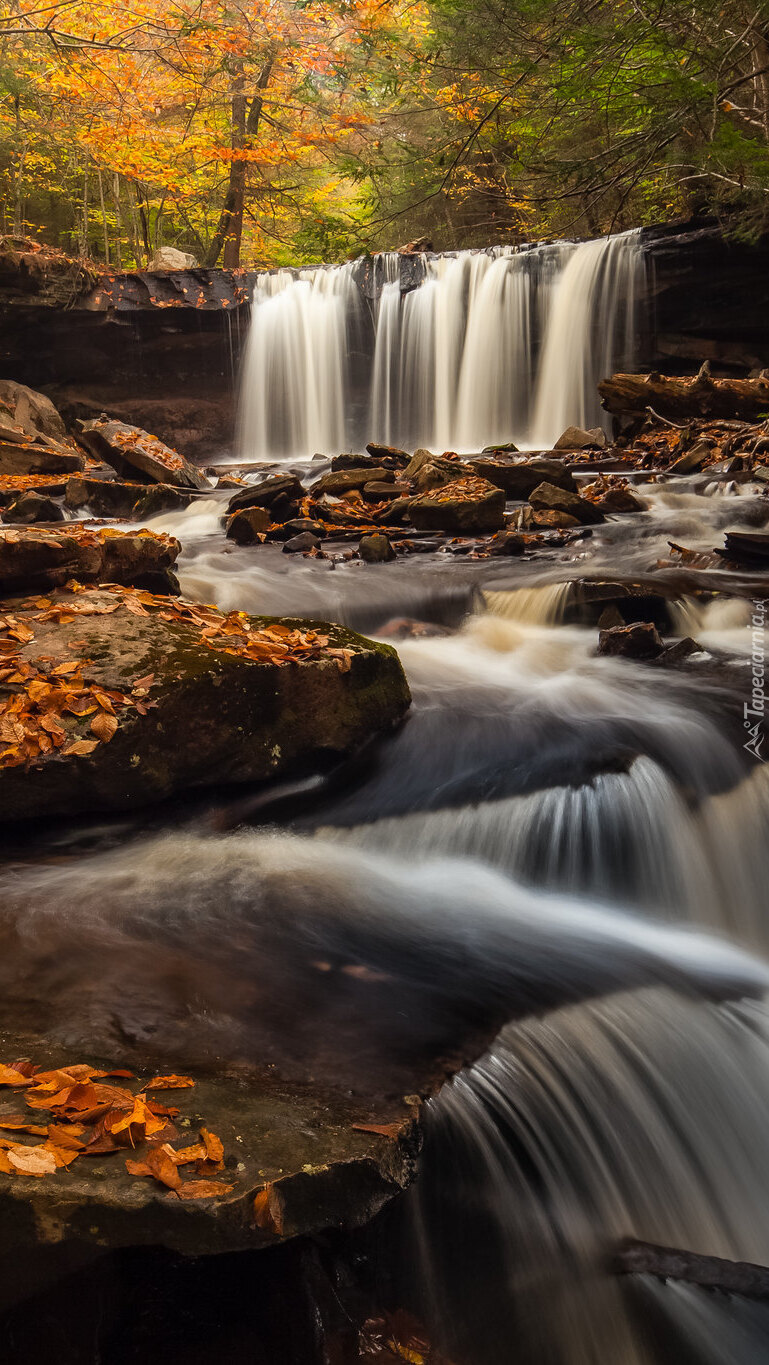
column 264, row 132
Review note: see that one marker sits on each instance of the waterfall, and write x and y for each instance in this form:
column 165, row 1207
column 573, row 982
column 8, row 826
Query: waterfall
column 498, row 346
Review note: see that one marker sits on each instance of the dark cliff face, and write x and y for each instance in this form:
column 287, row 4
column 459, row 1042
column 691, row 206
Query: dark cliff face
column 709, row 300
column 163, row 349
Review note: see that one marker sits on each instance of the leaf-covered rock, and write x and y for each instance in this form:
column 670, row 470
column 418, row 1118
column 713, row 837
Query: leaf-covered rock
column 131, row 451
column 114, row 698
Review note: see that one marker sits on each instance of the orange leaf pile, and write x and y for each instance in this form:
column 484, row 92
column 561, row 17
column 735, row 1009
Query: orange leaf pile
column 91, row 1118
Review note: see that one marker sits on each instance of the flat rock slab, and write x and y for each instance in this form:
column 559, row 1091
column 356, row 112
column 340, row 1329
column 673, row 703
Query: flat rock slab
column 114, row 698
column 129, row 451
column 294, row 1160
column 466, row 505
column 45, row 559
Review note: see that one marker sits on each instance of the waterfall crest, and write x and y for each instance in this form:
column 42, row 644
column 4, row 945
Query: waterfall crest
column 498, row 346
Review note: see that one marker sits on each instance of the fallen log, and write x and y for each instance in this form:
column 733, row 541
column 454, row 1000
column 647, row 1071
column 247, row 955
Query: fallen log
column 689, row 1267
column 684, row 398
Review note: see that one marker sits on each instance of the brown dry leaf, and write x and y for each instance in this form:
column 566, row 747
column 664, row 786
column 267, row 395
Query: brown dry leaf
column 104, row 726
column 268, row 1209
column 213, row 1145
column 10, row 1076
column 184, row 1155
column 388, row 1130
column 17, row 1123
column 203, row 1189
column 159, row 1164
column 5, row 1166
column 140, row 1114
column 32, row 1161
column 81, row 747
column 170, row 1083
column 62, row 670
column 62, row 1155
column 66, row 1135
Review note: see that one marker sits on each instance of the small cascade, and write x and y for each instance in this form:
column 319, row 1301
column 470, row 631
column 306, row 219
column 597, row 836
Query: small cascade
column 640, row 1116
column 491, row 347
column 538, row 606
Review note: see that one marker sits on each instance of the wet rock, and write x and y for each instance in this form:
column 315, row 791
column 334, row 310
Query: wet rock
column 301, row 543
column 467, row 505
column 749, row 547
column 131, row 451
column 348, row 460
column 280, row 493
column 247, row 526
column 34, row 456
column 638, row 641
column 168, row 258
column 507, row 543
column 526, row 519
column 509, row 447
column 383, row 492
column 576, row 438
column 376, row 549
column 32, row 412
column 421, row 458
column 299, row 524
column 397, row 513
column 342, row 481
column 620, row 500
column 520, row 479
column 32, row 559
column 161, row 497
column 693, row 461
column 547, row 498
column 103, row 497
column 31, row 507
column 399, row 458
column 209, row 713
column 679, row 652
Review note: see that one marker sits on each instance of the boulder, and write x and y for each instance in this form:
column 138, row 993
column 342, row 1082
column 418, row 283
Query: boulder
column 639, row 641
column 166, row 695
column 507, row 543
column 547, row 498
column 384, row 454
column 577, row 438
column 31, row 507
column 520, row 479
column 621, row 501
column 247, row 526
column 36, row 559
column 748, row 547
column 301, row 544
column 342, row 481
column 434, row 474
column 169, row 258
column 131, row 451
column 159, row 498
column 32, row 412
column 376, row 549
column 384, row 492
column 693, row 460
column 281, row 493
column 526, row 519
column 467, row 505
column 103, row 497
column 678, row 653
column 422, row 457
column 37, row 457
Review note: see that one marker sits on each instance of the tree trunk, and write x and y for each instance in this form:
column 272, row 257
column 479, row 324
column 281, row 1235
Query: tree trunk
column 632, row 394
column 245, row 125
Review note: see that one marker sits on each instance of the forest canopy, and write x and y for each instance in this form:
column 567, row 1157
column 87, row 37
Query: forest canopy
column 276, row 131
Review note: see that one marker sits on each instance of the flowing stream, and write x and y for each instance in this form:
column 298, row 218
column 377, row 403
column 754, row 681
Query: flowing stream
column 581, row 843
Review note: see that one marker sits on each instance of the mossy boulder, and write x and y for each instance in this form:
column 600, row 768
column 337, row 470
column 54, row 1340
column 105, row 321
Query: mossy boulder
column 112, row 698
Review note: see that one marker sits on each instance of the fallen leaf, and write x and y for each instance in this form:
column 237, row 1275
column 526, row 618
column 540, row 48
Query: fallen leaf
column 159, row 1164
column 203, row 1189
column 9, row 1076
column 389, row 1130
column 269, row 1209
column 81, row 747
column 103, row 726
column 170, row 1083
column 213, row 1145
column 32, row 1161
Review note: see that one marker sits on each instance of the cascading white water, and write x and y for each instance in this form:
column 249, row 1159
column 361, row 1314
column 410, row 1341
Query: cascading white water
column 492, row 347
column 294, row 392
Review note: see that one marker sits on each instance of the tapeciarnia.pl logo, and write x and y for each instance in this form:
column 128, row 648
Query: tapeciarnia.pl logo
column 755, row 710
